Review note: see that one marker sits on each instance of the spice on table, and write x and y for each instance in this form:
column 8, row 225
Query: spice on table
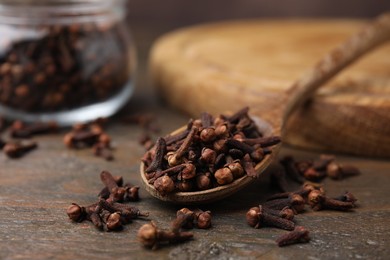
column 305, row 189
column 215, row 152
column 110, row 212
column 294, row 201
column 347, row 197
column 90, row 135
column 279, row 209
column 19, row 129
column 258, row 217
column 336, row 171
column 18, row 149
column 184, row 219
column 117, row 193
column 318, row 201
column 152, row 237
column 202, row 219
column 76, row 212
column 317, row 170
column 187, row 218
column 298, row 235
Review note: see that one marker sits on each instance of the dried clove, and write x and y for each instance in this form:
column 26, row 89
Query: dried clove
column 258, row 217
column 303, row 191
column 347, row 197
column 151, row 236
column 286, row 213
column 184, row 219
column 202, row 219
column 337, row 172
column 76, row 212
column 294, row 201
column 19, row 129
column 156, row 164
column 90, row 135
column 312, row 174
column 116, row 193
column 164, row 185
column 18, row 149
column 105, row 192
column 114, row 222
column 298, row 235
column 108, row 213
column 318, row 201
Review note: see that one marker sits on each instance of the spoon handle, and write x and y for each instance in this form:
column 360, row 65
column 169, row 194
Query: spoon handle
column 373, row 35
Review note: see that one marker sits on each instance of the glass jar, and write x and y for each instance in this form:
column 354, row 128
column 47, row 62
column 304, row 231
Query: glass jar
column 64, row 61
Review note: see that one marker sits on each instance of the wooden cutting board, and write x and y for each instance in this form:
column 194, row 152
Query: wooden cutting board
column 225, row 66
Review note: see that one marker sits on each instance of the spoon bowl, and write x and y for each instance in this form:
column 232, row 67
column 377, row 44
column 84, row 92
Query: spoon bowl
column 220, row 192
column 272, row 121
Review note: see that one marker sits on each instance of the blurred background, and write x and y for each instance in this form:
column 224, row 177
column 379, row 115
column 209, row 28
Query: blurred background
column 183, row 12
column 149, row 19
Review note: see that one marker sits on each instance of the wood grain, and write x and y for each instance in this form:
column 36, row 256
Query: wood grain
column 36, row 190
column 225, row 66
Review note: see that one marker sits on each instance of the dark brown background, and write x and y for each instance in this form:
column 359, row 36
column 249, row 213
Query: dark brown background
column 177, row 13
column 187, row 12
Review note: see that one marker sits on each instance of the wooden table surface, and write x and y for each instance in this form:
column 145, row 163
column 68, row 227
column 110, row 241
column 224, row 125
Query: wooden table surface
column 36, row 190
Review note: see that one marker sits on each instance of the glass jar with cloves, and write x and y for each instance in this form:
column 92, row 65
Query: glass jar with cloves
column 64, row 61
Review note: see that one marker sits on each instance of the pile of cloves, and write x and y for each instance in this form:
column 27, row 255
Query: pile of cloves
column 210, row 152
column 317, row 170
column 311, row 194
column 90, row 135
column 110, row 212
column 279, row 210
column 151, row 236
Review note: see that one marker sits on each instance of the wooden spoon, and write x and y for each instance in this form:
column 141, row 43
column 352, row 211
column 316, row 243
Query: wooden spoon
column 272, row 122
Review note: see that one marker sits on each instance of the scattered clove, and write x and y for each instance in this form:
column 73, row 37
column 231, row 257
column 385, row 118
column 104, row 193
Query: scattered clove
column 116, row 193
column 18, row 129
column 109, row 213
column 318, row 201
column 202, row 219
column 18, row 149
column 151, row 236
column 258, row 217
column 90, row 135
column 298, row 235
column 346, row 197
column 337, row 172
column 293, row 201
